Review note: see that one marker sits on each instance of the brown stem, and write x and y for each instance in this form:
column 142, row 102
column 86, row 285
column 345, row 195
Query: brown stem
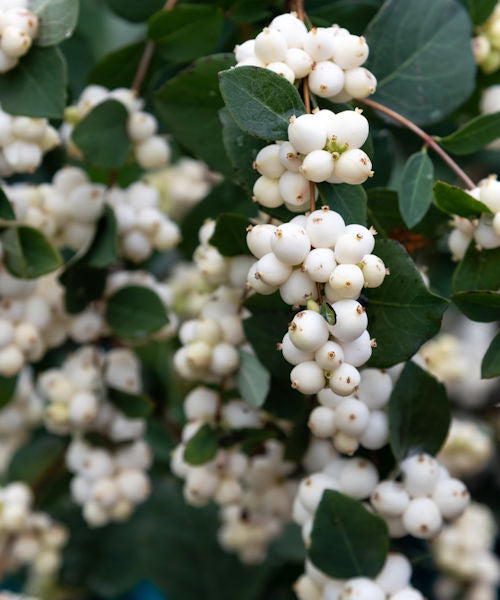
column 429, row 140
column 147, row 56
column 320, row 295
column 300, row 10
column 112, row 178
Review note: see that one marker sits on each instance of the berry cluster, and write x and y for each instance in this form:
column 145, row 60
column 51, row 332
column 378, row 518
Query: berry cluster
column 359, row 419
column 426, row 496
column 19, row 417
column 18, row 29
column 486, row 231
column 108, row 482
column 322, row 146
column 392, row 583
column 465, row 552
column 330, row 57
column 142, row 226
column 255, row 500
column 150, row 150
column 32, row 538
column 486, row 45
column 23, row 140
column 65, row 211
column 468, row 448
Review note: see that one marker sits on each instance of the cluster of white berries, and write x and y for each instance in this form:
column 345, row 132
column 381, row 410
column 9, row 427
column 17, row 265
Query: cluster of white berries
column 19, row 417
column 32, row 320
column 330, row 57
column 210, row 341
column 486, row 230
column 108, row 483
column 486, row 45
column 150, row 150
column 254, row 495
column 426, row 496
column 182, row 185
column 23, row 140
column 359, row 419
column 465, row 552
column 18, row 29
column 65, row 211
column 454, row 357
column 467, row 449
column 392, row 583
column 322, row 146
column 30, row 538
column 142, row 226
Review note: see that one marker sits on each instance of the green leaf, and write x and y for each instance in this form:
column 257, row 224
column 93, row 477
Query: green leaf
column 82, row 285
column 402, row 313
column 455, row 201
column 478, row 270
column 7, row 389
column 230, row 234
column 133, row 406
column 135, row 312
column 348, row 200
column 104, row 246
column 37, row 86
column 347, row 540
column 490, row 367
column 264, row 331
column 118, row 68
column 383, row 210
column 483, row 306
column 57, row 20
column 423, row 68
column 102, row 135
column 241, row 150
column 27, row 253
column 135, row 10
column 474, row 135
column 419, row 413
column 189, row 104
column 253, row 379
column 328, row 313
column 34, row 459
column 177, row 32
column 351, row 14
column 260, row 101
column 202, row 447
column 415, row 195
column 6, row 211
column 480, row 10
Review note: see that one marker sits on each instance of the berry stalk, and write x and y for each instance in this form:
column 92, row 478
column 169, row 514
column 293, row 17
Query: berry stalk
column 429, row 140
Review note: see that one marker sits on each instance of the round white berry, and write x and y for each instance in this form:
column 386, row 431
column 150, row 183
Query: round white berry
column 350, row 51
column 292, row 354
column 344, row 380
column 311, row 490
column 327, row 397
column 306, row 133
column 319, row 264
column 490, row 193
column 201, row 403
column 485, row 235
column 290, row 243
column 259, row 239
column 225, row 359
column 14, row 41
column 347, row 281
column 297, row 289
column 352, row 417
column 351, row 320
column 329, row 356
column 270, row 46
column 317, row 166
column 291, row 28
column 407, row 593
column 307, row 378
column 294, row 188
column 282, row 69
column 395, row 574
column 376, row 434
column 350, row 129
column 320, row 43
column 495, row 225
column 451, row 497
column 358, row 478
column 326, row 79
column 374, row 270
column 257, row 284
column 422, row 518
column 361, row 588
column 141, row 126
column 324, row 227
column 308, row 331
column 353, row 166
column 358, row 351
column 299, row 62
column 420, row 475
column 153, row 153
column 272, row 271
column 245, row 50
column 390, row 499
column 11, row 360
column 356, row 242
column 322, row 422
column 266, row 192
column 289, row 157
column 375, row 388
column 345, row 444
column 359, row 82
column 267, row 162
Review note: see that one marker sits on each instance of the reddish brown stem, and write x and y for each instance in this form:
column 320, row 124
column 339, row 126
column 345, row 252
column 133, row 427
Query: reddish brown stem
column 429, row 140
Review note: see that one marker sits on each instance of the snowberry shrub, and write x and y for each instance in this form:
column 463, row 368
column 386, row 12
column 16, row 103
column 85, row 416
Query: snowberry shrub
column 249, row 268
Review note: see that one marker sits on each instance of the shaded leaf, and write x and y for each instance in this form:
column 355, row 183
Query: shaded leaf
column 133, row 406
column 202, row 447
column 478, row 270
column 7, row 389
column 230, row 233
column 27, row 253
column 348, row 200
column 455, row 201
column 490, row 367
column 474, row 135
column 415, row 195
column 6, row 211
column 57, row 20
column 483, row 306
column 253, row 379
column 136, row 10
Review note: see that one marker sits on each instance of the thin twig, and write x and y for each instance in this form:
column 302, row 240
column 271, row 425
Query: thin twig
column 147, row 56
column 429, row 140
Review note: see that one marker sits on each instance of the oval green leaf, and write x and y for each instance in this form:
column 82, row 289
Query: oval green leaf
column 348, row 200
column 253, row 379
column 479, row 305
column 230, row 234
column 415, row 195
column 474, row 135
column 490, row 367
column 134, row 406
column 455, row 201
column 202, row 447
column 347, row 540
column 27, row 253
column 260, row 101
column 58, row 19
